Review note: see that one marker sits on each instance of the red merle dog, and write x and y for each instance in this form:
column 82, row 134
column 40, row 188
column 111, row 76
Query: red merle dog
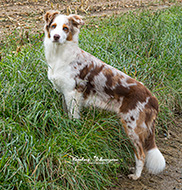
column 85, row 80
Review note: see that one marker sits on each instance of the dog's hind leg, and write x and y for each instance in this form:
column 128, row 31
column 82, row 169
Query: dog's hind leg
column 138, row 149
column 139, row 161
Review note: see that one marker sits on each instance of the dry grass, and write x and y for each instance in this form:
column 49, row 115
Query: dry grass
column 26, row 16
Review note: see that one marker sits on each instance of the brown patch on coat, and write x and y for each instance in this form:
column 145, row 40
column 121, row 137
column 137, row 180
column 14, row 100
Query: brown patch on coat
column 80, row 87
column 135, row 94
column 132, row 94
column 70, row 36
column 116, row 79
column 119, row 91
column 150, row 140
column 112, row 80
column 87, row 74
column 90, row 87
column 153, row 102
column 150, row 116
column 129, row 127
column 85, row 71
column 141, row 118
column 139, row 130
column 48, row 32
column 130, row 81
column 95, row 71
column 146, row 135
column 108, row 74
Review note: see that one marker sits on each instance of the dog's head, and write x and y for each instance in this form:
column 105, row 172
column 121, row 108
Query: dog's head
column 61, row 28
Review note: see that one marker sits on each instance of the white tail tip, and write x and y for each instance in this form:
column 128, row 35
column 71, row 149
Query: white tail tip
column 155, row 161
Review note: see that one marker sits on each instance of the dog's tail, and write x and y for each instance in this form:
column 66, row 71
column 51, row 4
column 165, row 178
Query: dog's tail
column 155, row 161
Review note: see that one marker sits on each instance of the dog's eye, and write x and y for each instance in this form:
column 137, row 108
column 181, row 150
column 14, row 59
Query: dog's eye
column 66, row 29
column 53, row 26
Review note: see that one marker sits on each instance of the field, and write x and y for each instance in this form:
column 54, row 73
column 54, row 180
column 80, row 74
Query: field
column 40, row 145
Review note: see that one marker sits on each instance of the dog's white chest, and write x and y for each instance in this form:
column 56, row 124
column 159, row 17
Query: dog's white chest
column 61, row 78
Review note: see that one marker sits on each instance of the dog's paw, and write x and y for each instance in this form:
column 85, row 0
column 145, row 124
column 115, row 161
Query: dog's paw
column 133, row 176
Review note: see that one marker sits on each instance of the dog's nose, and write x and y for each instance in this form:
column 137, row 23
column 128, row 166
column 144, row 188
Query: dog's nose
column 56, row 37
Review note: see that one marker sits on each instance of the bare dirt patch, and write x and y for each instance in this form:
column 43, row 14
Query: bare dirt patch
column 27, row 16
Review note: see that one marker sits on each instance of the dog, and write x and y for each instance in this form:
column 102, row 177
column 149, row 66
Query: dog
column 85, row 80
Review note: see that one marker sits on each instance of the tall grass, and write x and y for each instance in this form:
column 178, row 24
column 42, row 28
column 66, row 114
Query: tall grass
column 38, row 143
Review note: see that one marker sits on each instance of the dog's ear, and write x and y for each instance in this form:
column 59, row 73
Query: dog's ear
column 50, row 15
column 76, row 20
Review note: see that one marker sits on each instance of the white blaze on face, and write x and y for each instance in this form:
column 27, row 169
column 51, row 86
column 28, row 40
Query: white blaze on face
column 58, row 29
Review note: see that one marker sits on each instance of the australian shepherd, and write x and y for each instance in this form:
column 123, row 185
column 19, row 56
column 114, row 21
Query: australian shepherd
column 85, row 80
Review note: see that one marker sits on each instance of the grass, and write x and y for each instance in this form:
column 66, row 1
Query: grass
column 38, row 143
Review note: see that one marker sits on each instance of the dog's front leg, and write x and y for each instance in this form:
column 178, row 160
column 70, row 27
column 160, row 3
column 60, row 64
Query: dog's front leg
column 73, row 104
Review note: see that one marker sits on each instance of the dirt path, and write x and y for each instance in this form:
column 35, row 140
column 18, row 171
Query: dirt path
column 27, row 15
